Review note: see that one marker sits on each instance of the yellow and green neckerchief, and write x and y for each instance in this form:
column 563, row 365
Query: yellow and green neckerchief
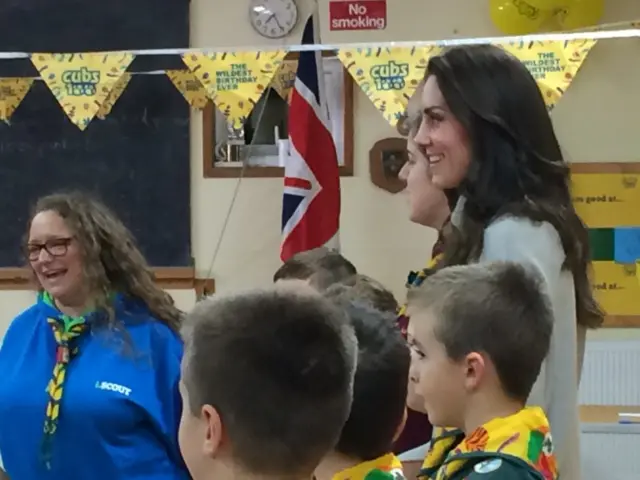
column 387, row 467
column 66, row 330
column 525, row 436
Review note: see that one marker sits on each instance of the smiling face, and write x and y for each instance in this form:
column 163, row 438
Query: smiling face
column 56, row 259
column 428, row 204
column 442, row 138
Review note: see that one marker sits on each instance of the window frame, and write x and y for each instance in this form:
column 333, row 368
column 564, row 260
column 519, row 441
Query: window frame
column 211, row 170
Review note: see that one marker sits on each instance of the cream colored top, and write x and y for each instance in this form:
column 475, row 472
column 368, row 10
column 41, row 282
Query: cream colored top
column 556, row 390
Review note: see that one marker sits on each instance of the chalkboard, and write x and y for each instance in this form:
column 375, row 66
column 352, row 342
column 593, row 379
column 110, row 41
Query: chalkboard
column 69, row 26
column 136, row 161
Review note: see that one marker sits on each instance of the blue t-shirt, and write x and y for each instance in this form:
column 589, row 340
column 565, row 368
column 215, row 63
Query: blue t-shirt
column 120, row 410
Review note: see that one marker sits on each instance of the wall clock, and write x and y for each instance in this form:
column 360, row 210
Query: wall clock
column 273, row 18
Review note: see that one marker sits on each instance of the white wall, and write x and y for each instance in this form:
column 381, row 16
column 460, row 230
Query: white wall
column 596, row 120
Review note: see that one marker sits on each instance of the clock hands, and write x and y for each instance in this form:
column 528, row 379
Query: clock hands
column 273, row 16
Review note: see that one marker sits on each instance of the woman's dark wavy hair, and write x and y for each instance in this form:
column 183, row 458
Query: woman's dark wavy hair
column 516, row 167
column 111, row 260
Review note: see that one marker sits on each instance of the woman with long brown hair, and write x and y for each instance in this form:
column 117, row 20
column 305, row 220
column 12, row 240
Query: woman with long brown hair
column 487, row 135
column 91, row 370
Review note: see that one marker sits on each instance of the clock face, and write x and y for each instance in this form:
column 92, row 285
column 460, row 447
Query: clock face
column 273, row 18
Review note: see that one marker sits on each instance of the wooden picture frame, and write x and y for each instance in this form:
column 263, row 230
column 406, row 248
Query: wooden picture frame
column 211, row 170
column 612, row 321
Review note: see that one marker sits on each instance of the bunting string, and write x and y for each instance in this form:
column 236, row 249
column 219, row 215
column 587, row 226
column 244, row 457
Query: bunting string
column 537, row 37
column 87, row 85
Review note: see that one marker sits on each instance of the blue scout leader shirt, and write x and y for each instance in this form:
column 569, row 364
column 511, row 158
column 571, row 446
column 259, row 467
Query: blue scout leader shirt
column 120, row 409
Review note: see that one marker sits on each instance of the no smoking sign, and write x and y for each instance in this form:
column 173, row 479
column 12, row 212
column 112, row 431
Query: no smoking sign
column 358, row 15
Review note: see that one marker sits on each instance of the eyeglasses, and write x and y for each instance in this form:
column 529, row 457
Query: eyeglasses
column 56, row 247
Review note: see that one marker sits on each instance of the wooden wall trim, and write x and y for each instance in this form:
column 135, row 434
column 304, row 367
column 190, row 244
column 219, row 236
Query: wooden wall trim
column 605, row 167
column 621, row 321
column 170, row 278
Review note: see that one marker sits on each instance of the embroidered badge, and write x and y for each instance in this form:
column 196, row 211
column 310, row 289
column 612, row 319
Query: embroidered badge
column 488, row 466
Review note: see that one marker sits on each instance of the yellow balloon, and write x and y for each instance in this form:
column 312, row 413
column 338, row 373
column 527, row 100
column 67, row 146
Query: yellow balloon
column 581, row 14
column 516, row 17
column 547, row 4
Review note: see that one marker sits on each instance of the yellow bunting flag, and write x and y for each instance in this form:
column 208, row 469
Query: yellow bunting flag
column 554, row 64
column 12, row 92
column 388, row 76
column 190, row 87
column 81, row 82
column 114, row 95
column 284, row 78
column 235, row 81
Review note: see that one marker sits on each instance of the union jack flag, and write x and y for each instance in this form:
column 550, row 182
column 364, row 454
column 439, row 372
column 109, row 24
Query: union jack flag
column 311, row 200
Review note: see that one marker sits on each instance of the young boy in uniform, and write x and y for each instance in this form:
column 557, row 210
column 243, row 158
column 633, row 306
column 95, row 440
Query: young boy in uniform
column 478, row 336
column 267, row 379
column 320, row 267
column 365, row 448
column 364, row 289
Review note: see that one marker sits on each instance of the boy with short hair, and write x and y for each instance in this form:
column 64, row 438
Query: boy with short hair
column 320, row 267
column 365, row 448
column 267, row 381
column 364, row 289
column 478, row 335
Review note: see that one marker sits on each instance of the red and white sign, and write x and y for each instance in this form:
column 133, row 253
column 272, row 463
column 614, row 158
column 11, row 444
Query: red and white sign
column 358, row 15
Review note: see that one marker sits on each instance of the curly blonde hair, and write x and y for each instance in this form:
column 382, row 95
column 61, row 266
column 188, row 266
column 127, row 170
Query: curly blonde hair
column 111, row 260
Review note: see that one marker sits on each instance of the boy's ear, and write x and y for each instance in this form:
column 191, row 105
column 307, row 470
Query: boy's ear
column 214, row 431
column 403, row 422
column 475, row 367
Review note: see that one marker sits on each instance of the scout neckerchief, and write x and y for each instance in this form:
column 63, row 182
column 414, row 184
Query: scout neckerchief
column 444, row 439
column 65, row 330
column 525, row 436
column 415, row 279
column 387, row 467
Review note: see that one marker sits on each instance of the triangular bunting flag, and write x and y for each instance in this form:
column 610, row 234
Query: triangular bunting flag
column 235, row 81
column 284, row 79
column 388, row 76
column 114, row 95
column 554, row 64
column 81, row 81
column 12, row 92
column 190, row 87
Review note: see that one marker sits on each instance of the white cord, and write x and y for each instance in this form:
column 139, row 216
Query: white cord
column 537, row 37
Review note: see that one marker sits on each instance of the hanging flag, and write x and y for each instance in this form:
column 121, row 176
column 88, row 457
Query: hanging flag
column 235, row 81
column 553, row 63
column 114, row 95
column 81, row 81
column 190, row 87
column 12, row 92
column 282, row 81
column 388, row 76
column 311, row 200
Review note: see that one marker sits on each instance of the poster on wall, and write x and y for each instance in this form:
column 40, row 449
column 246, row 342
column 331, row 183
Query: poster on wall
column 607, row 200
column 357, row 15
column 608, row 204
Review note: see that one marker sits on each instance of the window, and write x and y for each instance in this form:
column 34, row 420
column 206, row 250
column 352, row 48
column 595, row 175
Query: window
column 265, row 131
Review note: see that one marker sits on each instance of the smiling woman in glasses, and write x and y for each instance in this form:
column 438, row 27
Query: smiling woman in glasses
column 90, row 372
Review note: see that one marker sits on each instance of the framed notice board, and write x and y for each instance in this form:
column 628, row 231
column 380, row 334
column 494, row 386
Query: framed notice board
column 136, row 159
column 607, row 198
